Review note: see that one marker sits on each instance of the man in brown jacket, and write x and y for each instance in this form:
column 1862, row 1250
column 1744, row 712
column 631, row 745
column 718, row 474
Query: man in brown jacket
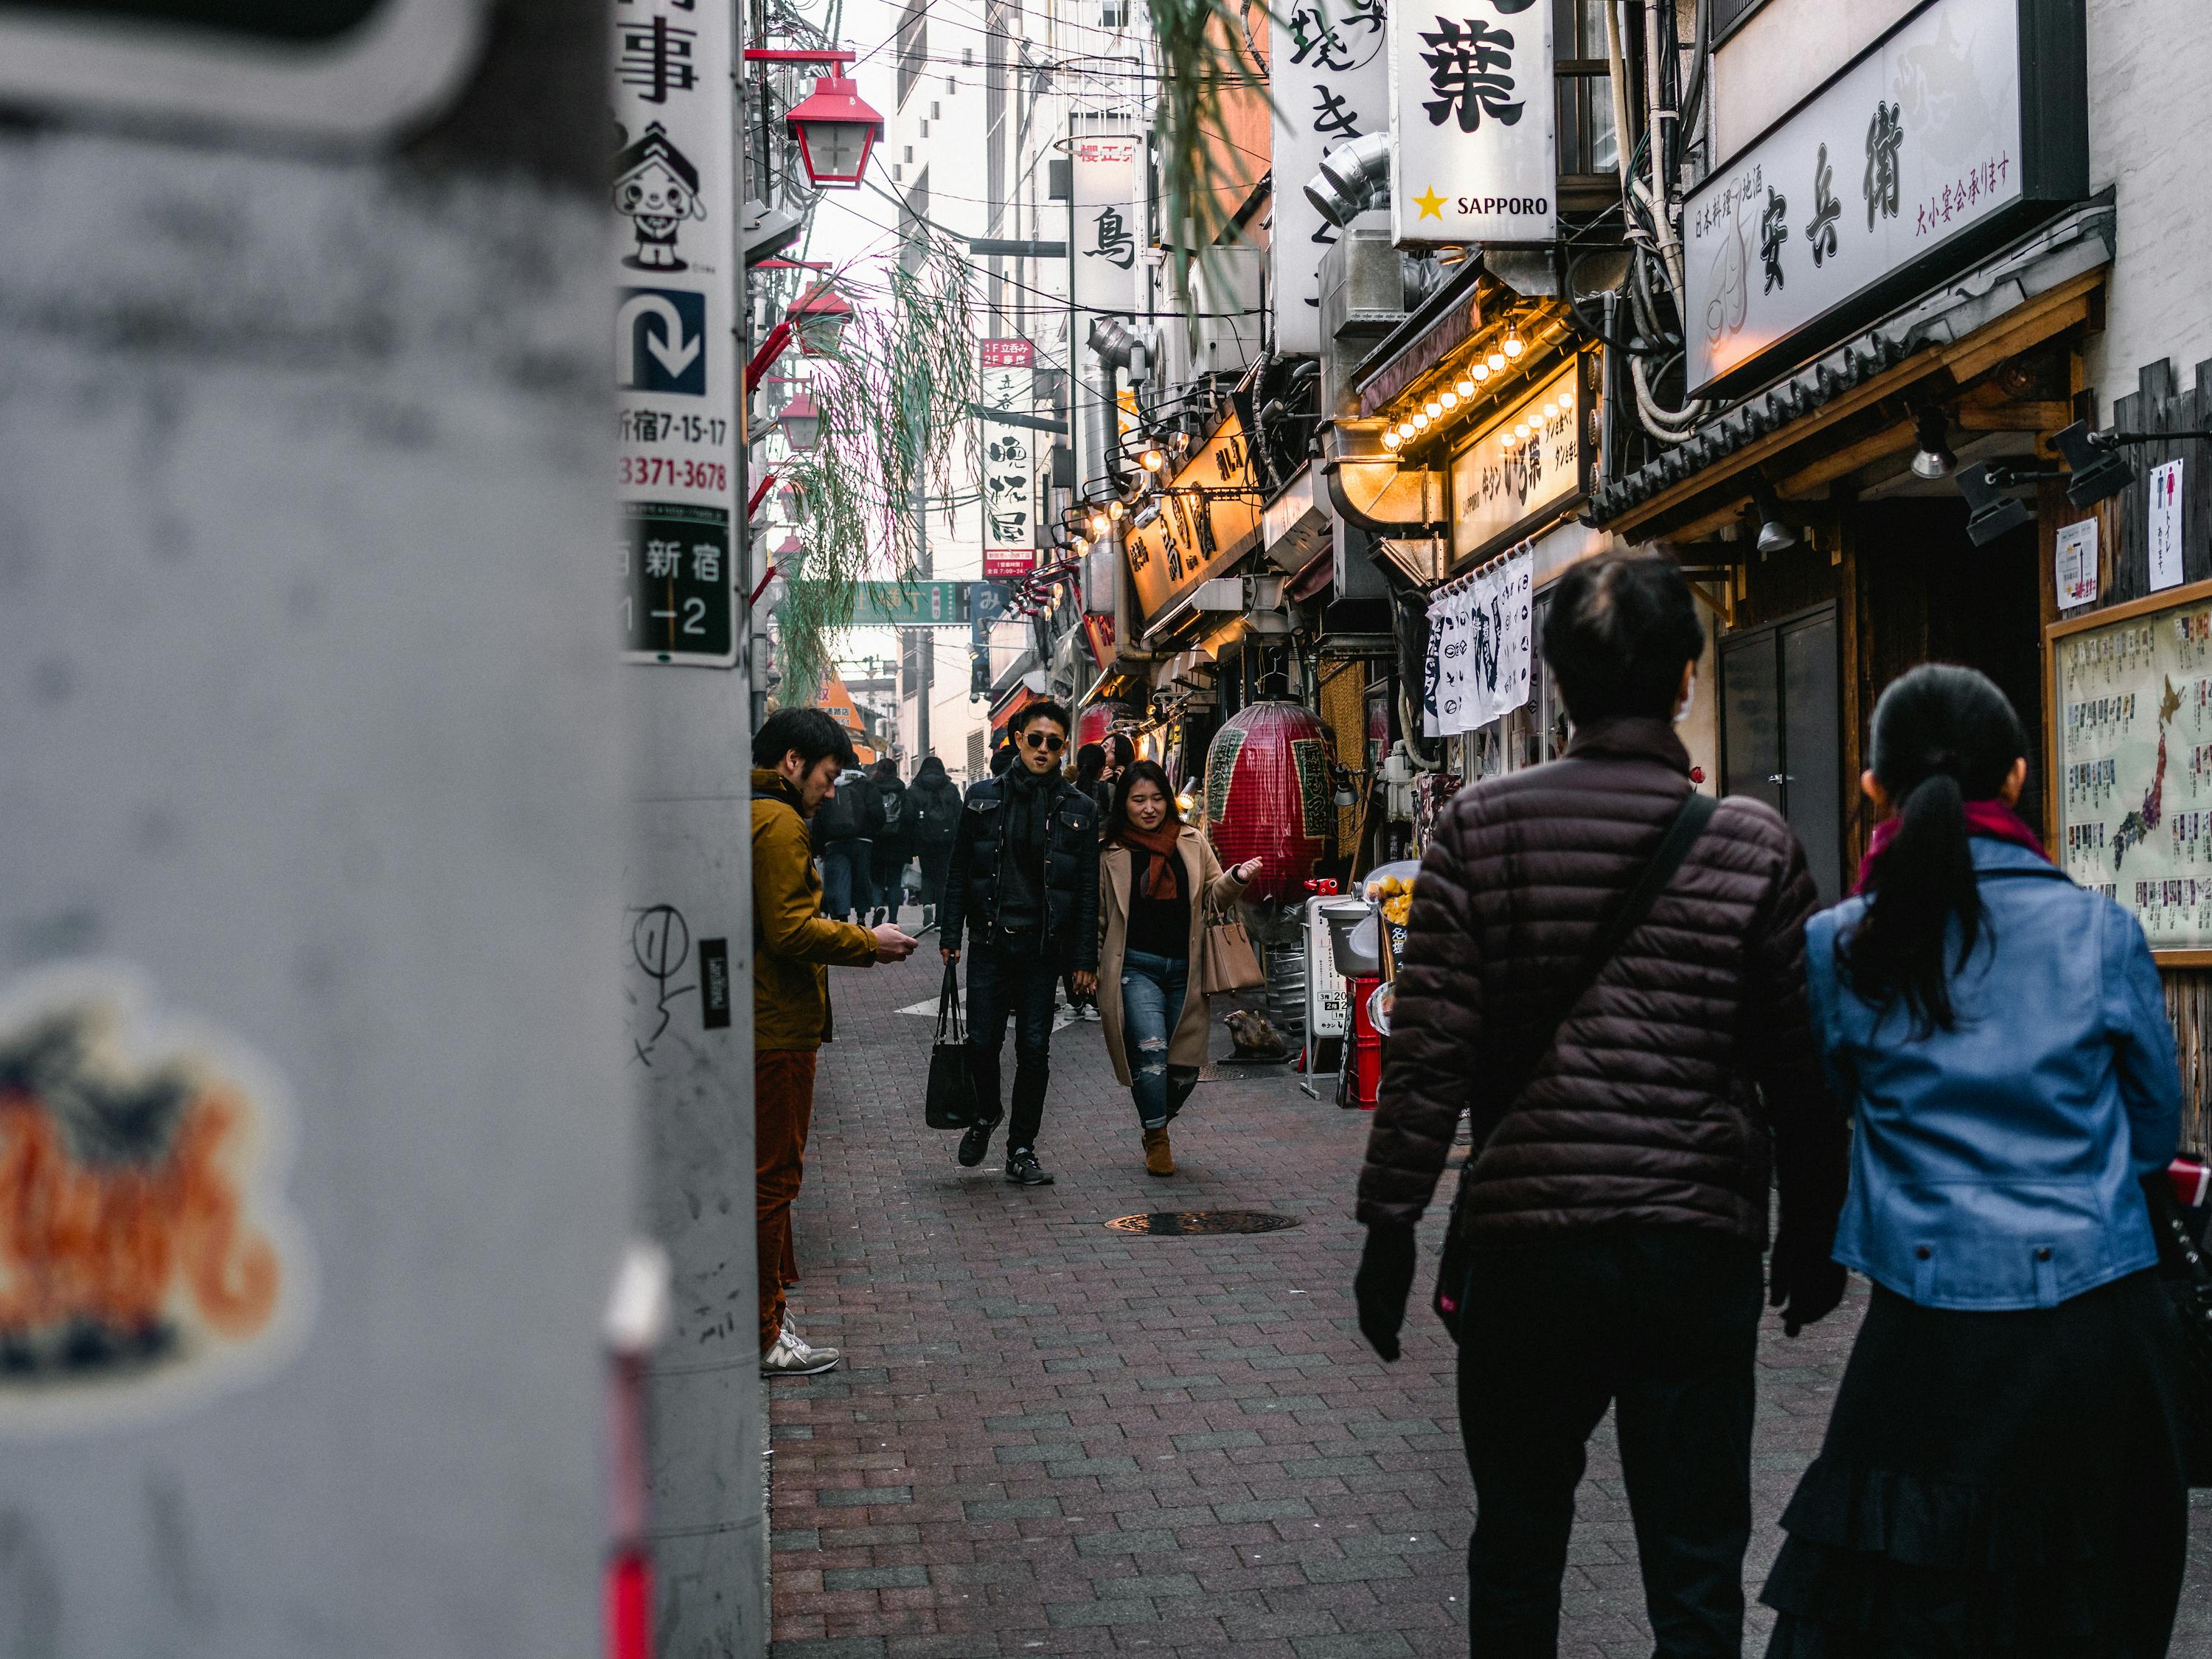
column 1616, row 1197
column 797, row 754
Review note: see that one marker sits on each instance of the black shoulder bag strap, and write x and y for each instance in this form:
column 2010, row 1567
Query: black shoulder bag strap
column 1689, row 823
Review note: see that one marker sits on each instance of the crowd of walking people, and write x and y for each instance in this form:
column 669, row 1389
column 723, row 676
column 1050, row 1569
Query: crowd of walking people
column 1692, row 1095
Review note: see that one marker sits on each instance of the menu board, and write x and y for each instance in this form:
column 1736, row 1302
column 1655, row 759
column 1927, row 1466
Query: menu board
column 2130, row 720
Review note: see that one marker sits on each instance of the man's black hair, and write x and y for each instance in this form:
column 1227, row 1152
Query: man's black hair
column 1044, row 708
column 1621, row 629
column 810, row 731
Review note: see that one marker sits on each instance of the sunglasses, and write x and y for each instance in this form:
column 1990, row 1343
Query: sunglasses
column 1044, row 740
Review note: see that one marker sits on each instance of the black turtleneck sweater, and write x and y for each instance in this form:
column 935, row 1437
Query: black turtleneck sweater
column 1021, row 850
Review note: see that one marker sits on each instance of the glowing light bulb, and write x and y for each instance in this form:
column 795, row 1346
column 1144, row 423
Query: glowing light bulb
column 1432, row 409
column 1406, row 429
column 1115, row 510
column 1099, row 526
column 1513, row 346
column 1420, row 420
column 1506, row 441
column 1449, row 399
column 1154, row 458
column 1521, row 429
column 1496, row 360
column 1550, row 410
column 1481, row 372
column 1567, row 398
column 1391, row 441
column 1464, row 388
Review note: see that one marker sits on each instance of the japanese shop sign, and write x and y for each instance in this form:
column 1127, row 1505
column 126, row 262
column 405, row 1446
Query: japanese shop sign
column 676, row 381
column 1007, row 379
column 1106, row 222
column 351, row 69
column 1475, row 122
column 1330, row 74
column 1526, row 464
column 1208, row 518
column 1481, row 649
column 1904, row 164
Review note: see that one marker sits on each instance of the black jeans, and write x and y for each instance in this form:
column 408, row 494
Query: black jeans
column 1007, row 978
column 1662, row 1324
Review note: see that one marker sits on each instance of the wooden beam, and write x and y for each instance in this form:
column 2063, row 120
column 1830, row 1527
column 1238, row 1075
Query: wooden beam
column 2039, row 320
column 2015, row 416
column 1841, row 463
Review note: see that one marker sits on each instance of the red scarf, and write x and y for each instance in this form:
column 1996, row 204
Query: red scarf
column 1160, row 869
column 1984, row 817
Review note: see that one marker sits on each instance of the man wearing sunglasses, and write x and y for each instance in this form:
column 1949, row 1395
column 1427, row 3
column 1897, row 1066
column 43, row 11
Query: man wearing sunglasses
column 1023, row 882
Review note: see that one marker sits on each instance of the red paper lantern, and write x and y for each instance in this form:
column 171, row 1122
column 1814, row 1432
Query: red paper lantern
column 1268, row 795
column 1092, row 724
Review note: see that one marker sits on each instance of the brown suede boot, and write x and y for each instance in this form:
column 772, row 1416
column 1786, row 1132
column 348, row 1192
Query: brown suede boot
column 1158, row 1160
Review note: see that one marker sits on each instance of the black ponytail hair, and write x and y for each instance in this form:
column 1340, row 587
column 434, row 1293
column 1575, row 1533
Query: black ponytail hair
column 1943, row 736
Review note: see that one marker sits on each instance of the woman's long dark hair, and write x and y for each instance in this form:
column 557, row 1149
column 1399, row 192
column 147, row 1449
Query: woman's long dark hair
column 1137, row 772
column 1943, row 736
column 1090, row 764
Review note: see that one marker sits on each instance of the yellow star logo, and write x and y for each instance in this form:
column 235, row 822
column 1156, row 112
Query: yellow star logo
column 1431, row 204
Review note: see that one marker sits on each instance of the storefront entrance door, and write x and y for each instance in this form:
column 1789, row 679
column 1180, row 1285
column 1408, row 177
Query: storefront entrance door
column 1781, row 732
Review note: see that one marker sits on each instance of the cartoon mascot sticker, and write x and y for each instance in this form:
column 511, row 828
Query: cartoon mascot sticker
column 657, row 189
column 147, row 1257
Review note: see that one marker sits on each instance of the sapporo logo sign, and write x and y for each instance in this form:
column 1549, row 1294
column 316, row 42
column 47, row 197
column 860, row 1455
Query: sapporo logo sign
column 148, row 1259
column 343, row 69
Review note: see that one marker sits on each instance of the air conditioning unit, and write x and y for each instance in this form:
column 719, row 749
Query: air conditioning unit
column 1363, row 298
column 1227, row 292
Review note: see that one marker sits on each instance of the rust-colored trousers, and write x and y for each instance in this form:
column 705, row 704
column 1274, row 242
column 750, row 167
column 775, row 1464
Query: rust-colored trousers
column 783, row 1107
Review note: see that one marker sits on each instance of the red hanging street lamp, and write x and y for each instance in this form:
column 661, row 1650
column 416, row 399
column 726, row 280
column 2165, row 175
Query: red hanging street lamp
column 819, row 316
column 836, row 129
column 801, row 422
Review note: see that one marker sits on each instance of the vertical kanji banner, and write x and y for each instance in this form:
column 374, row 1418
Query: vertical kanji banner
column 1006, row 382
column 675, row 374
column 1474, row 126
column 1329, row 69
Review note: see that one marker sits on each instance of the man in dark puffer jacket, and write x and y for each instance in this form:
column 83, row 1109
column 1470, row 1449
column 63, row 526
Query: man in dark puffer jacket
column 1617, row 1203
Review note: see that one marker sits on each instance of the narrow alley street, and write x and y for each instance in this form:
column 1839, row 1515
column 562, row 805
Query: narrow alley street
column 1049, row 1438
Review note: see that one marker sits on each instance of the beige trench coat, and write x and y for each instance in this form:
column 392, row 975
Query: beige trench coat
column 1207, row 878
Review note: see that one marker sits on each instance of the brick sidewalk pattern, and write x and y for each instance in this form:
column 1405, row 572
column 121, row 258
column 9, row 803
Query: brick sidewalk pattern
column 1048, row 1438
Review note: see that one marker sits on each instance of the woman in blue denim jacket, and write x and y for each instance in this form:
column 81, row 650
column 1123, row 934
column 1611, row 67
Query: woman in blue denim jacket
column 2002, row 1473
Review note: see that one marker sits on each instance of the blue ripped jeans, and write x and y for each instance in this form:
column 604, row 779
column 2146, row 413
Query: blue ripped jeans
column 1151, row 1006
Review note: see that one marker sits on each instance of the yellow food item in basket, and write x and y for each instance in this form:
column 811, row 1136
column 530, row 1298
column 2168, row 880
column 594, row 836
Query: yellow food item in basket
column 1396, row 909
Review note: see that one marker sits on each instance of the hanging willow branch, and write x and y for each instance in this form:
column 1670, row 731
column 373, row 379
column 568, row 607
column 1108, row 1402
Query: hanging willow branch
column 895, row 398
column 1207, row 66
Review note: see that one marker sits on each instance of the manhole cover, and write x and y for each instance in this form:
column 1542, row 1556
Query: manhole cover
column 1196, row 1224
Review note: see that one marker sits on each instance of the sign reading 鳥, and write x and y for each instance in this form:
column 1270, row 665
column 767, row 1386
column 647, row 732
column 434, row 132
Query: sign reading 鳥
column 1913, row 160
column 1104, row 225
column 1329, row 72
column 676, row 380
column 1474, row 123
column 1006, row 381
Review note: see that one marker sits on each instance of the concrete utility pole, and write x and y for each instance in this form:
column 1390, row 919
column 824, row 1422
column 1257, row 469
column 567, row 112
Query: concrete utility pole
column 688, row 880
column 310, row 806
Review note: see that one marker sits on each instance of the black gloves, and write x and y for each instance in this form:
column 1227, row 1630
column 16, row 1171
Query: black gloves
column 1802, row 1281
column 1383, row 1282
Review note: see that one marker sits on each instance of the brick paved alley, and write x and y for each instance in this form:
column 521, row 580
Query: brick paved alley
column 1049, row 1439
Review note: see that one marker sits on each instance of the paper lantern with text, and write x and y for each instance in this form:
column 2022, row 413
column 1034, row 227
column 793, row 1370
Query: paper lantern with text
column 1092, row 724
column 1268, row 796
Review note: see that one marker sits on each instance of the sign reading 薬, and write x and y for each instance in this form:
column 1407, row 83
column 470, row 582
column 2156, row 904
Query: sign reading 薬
column 1475, row 122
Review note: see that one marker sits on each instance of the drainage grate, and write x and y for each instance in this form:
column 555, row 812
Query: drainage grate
column 1198, row 1224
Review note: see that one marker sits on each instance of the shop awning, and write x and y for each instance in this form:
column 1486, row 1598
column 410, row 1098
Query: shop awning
column 1847, row 410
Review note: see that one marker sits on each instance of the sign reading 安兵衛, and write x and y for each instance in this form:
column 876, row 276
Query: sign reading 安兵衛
column 1328, row 69
column 1525, row 466
column 1007, row 380
column 675, row 373
column 343, row 69
column 1921, row 154
column 1474, row 126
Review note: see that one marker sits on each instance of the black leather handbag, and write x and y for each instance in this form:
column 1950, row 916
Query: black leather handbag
column 950, row 1104
column 1458, row 1263
column 2186, row 1278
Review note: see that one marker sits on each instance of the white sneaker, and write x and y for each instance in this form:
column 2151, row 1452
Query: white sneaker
column 791, row 1357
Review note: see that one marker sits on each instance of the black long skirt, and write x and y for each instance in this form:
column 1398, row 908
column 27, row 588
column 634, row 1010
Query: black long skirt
column 1993, row 1483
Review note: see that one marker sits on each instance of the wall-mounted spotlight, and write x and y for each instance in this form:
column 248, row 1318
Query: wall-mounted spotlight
column 1933, row 459
column 1775, row 533
column 2094, row 459
column 1996, row 511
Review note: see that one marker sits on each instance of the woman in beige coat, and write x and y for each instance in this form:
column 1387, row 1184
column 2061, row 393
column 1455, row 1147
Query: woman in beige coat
column 1151, row 1006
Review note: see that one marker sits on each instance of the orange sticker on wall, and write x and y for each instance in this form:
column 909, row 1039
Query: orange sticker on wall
column 147, row 1257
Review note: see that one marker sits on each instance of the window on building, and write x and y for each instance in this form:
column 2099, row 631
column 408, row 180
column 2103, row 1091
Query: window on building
column 1586, row 141
column 1727, row 14
column 912, row 46
column 914, row 208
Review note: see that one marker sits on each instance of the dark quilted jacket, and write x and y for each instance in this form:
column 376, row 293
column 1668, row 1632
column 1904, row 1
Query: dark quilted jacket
column 1645, row 1112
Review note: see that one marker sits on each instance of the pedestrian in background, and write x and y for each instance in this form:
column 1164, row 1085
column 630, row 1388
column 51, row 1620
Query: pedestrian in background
column 1612, row 1214
column 1091, row 777
column 1023, row 887
column 1156, row 877
column 894, row 843
column 844, row 834
column 2004, row 1470
column 797, row 755
column 933, row 805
